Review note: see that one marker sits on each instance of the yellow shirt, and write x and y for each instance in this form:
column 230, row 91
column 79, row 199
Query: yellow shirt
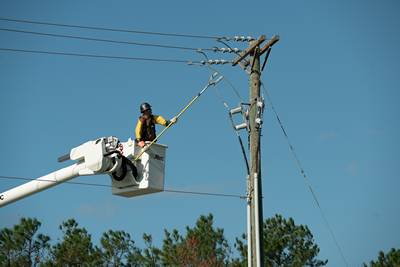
column 157, row 118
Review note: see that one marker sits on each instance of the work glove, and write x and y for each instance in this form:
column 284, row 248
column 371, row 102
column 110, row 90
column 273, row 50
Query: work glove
column 174, row 120
column 141, row 144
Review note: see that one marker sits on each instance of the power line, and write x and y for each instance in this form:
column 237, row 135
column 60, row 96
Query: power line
column 110, row 186
column 303, row 173
column 105, row 40
column 97, row 56
column 204, row 193
column 225, row 104
column 108, row 29
column 234, row 89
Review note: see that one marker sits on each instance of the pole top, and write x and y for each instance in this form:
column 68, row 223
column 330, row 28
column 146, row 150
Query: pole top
column 249, row 50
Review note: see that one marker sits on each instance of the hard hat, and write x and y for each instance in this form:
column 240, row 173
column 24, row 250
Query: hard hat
column 145, row 106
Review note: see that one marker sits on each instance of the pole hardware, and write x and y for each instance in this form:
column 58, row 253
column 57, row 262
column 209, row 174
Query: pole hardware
column 266, row 58
column 236, row 110
column 241, row 126
column 260, row 111
column 226, row 49
column 249, row 50
column 238, row 38
column 244, row 111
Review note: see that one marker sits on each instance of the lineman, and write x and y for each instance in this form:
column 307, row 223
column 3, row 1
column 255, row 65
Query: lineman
column 145, row 127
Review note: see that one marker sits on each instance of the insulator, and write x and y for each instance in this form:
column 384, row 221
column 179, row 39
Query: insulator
column 215, row 62
column 236, row 110
column 241, row 126
column 238, row 38
column 226, row 50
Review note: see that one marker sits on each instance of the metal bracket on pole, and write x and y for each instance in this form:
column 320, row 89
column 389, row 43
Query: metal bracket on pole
column 266, row 58
column 260, row 111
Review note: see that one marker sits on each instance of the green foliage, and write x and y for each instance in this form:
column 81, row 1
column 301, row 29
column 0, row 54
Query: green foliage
column 150, row 256
column 203, row 245
column 22, row 246
column 116, row 247
column 285, row 244
column 391, row 259
column 76, row 247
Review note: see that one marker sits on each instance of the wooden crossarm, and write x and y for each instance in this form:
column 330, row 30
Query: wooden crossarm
column 250, row 49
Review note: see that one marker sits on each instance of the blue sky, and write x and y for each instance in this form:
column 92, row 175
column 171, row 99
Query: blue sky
column 333, row 78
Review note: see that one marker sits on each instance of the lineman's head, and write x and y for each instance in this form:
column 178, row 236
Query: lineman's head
column 145, row 107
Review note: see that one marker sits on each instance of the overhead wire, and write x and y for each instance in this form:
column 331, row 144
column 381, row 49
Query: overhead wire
column 168, row 190
column 108, row 29
column 225, row 104
column 97, row 56
column 104, row 40
column 214, row 70
column 303, row 174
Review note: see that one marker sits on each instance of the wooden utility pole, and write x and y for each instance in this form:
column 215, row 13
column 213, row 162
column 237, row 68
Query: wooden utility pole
column 255, row 240
column 256, row 216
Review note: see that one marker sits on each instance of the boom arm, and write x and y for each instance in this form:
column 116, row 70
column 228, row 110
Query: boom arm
column 101, row 156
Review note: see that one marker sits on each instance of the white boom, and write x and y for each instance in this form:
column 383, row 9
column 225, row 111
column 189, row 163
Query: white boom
column 106, row 155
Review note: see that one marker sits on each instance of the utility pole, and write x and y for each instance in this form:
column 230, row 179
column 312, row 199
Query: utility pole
column 256, row 104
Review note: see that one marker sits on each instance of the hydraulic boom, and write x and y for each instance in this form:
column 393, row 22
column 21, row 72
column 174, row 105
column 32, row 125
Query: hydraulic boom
column 106, row 155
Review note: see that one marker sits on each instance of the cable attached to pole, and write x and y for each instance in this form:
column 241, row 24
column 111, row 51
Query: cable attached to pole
column 303, row 173
column 228, row 108
column 107, row 29
column 168, row 190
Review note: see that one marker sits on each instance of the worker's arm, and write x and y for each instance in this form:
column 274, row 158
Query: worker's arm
column 138, row 131
column 160, row 120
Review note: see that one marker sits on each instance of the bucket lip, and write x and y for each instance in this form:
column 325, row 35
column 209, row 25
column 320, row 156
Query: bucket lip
column 156, row 144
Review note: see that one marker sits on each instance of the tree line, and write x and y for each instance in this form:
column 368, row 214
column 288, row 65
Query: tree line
column 203, row 245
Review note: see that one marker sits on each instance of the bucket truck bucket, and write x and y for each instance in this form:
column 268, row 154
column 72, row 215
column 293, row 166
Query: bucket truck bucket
column 150, row 169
